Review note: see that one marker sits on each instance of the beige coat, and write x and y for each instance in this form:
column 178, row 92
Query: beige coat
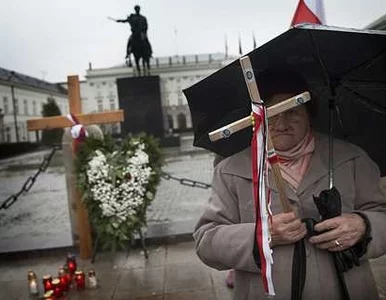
column 225, row 233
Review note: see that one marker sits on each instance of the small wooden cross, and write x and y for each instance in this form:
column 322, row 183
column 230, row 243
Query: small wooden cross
column 238, row 125
column 85, row 242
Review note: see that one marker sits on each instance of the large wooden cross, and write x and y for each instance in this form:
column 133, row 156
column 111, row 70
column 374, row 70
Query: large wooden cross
column 84, row 232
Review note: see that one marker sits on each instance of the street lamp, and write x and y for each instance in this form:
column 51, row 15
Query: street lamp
column 14, row 105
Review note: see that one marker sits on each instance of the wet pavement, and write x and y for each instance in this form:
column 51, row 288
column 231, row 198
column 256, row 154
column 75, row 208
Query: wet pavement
column 172, row 271
column 40, row 218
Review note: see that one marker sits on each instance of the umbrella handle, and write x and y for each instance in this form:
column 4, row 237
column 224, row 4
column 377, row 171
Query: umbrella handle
column 253, row 90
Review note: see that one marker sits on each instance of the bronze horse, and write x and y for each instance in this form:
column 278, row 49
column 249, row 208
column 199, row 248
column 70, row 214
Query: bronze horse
column 140, row 47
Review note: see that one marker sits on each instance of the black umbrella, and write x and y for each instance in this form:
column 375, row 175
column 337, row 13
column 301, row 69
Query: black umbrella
column 346, row 72
column 345, row 67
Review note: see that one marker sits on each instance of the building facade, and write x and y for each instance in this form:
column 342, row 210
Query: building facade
column 22, row 98
column 99, row 91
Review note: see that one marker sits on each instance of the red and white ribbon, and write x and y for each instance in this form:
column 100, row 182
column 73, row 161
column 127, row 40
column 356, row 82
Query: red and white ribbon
column 309, row 11
column 262, row 195
column 78, row 131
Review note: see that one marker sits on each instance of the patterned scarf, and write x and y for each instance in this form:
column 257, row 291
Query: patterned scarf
column 295, row 162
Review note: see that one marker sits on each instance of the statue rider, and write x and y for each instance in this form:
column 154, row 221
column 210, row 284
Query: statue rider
column 138, row 25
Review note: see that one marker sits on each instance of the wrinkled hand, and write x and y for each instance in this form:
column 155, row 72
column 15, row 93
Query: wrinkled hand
column 339, row 233
column 286, row 228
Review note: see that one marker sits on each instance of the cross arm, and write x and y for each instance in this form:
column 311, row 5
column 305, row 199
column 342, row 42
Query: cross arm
column 84, row 119
column 245, row 122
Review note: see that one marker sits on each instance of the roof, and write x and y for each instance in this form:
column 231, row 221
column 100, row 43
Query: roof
column 188, row 59
column 12, row 77
column 379, row 24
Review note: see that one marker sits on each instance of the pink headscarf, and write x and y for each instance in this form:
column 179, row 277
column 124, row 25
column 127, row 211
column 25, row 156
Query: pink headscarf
column 294, row 162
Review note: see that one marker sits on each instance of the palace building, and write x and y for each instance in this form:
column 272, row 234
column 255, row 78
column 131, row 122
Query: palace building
column 22, row 98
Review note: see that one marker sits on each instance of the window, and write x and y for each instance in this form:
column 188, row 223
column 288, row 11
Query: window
column 34, row 108
column 114, row 128
column 8, row 134
column 17, row 106
column 180, row 98
column 112, row 104
column 25, row 107
column 99, row 99
column 170, row 121
column 181, row 121
column 100, row 105
column 6, row 109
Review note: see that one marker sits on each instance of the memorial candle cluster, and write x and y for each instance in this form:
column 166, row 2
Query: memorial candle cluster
column 68, row 275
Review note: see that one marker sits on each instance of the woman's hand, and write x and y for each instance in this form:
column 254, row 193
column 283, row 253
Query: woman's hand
column 286, row 228
column 339, row 233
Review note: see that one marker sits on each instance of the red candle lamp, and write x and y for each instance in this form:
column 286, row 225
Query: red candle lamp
column 80, row 280
column 71, row 263
column 49, row 295
column 64, row 283
column 56, row 286
column 47, row 283
column 68, row 274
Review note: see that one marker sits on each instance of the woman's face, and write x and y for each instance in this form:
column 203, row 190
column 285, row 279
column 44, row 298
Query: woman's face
column 288, row 128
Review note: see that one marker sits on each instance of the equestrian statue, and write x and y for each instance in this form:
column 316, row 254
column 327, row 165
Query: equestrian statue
column 138, row 44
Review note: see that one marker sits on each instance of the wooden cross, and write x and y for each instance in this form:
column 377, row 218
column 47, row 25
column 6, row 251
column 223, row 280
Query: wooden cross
column 238, row 125
column 84, row 232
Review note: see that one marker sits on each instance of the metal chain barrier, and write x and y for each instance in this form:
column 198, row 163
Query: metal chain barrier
column 185, row 181
column 47, row 159
column 30, row 181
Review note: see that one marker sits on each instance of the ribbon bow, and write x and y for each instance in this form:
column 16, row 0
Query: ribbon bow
column 78, row 131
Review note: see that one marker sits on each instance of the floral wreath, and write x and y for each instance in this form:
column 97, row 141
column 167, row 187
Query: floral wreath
column 118, row 182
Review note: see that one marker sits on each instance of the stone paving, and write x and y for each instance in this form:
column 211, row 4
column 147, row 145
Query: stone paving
column 173, row 271
column 40, row 219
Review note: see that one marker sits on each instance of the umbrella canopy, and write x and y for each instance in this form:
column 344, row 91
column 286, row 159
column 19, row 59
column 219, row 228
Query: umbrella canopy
column 346, row 64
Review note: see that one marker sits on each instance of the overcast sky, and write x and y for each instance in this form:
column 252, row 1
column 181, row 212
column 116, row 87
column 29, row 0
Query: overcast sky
column 51, row 39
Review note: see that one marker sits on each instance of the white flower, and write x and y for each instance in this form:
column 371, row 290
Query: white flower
column 122, row 200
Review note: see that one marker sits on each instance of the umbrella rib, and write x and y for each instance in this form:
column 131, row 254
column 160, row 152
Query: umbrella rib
column 364, row 84
column 367, row 102
column 371, row 60
column 331, row 117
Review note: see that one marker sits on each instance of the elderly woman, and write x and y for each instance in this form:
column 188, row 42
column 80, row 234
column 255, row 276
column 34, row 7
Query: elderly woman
column 225, row 233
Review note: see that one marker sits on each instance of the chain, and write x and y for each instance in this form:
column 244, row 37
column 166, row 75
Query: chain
column 47, row 159
column 185, row 181
column 30, row 181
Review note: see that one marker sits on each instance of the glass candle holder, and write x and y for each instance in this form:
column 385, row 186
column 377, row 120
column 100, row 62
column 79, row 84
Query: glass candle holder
column 33, row 287
column 80, row 280
column 47, row 283
column 49, row 295
column 68, row 274
column 62, row 275
column 56, row 286
column 92, row 279
column 71, row 263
